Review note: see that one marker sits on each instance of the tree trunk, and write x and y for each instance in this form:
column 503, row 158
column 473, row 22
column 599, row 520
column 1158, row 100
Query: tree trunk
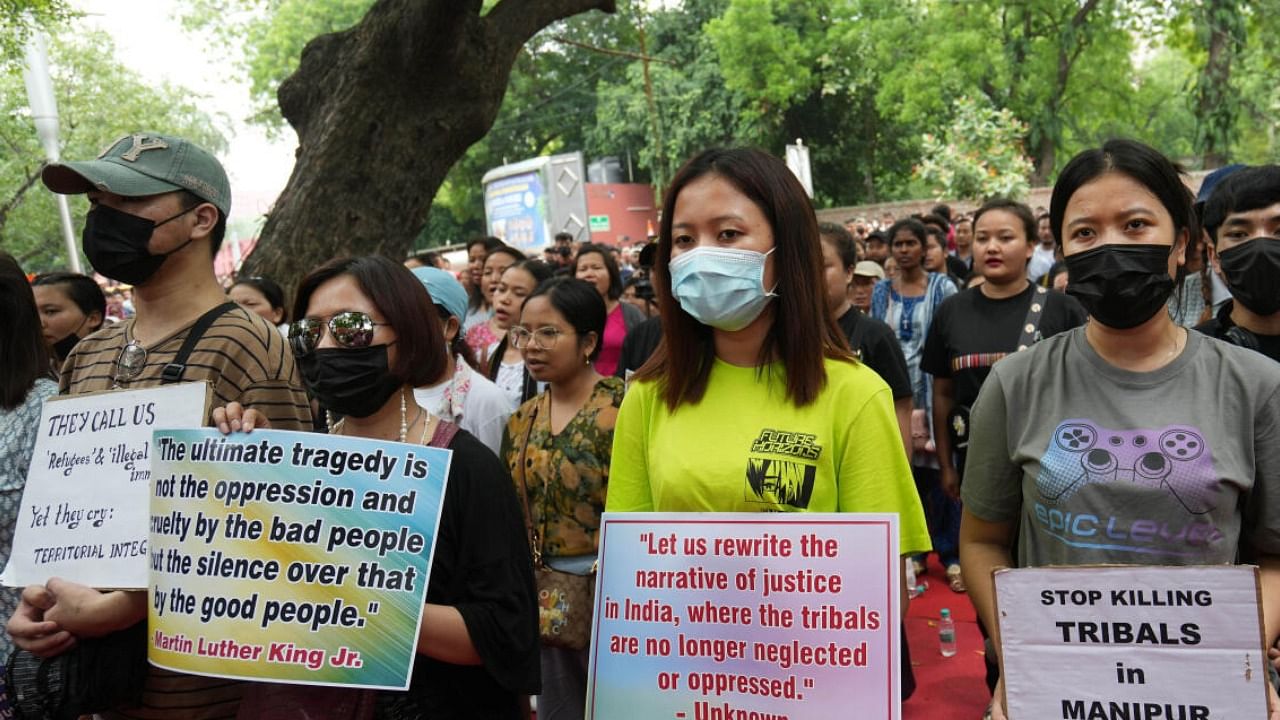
column 1070, row 43
column 383, row 110
column 1045, row 159
column 1216, row 103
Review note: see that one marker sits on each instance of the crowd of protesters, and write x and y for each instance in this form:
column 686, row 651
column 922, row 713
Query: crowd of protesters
column 935, row 359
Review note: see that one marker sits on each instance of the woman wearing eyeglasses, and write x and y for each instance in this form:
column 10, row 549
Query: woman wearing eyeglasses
column 367, row 335
column 557, row 446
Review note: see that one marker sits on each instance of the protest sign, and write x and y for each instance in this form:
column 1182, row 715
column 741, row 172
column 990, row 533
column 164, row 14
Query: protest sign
column 1135, row 642
column 291, row 557
column 84, row 508
column 713, row 616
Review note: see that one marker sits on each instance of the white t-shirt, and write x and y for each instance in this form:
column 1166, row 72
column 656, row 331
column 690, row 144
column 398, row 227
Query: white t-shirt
column 472, row 401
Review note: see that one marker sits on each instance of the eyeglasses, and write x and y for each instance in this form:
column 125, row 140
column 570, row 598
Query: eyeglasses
column 130, row 362
column 350, row 329
column 544, row 338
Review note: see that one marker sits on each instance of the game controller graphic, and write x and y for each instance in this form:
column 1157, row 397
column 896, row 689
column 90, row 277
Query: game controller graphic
column 1173, row 458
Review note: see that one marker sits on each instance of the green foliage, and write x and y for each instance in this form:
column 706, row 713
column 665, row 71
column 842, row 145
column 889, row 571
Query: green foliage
column 272, row 34
column 19, row 17
column 862, row 82
column 766, row 50
column 693, row 106
column 98, row 101
column 979, row 155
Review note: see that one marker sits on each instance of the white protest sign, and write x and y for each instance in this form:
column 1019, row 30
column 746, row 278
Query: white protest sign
column 710, row 616
column 84, row 513
column 1139, row 642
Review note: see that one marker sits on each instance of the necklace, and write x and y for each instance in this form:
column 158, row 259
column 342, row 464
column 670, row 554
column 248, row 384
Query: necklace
column 335, row 428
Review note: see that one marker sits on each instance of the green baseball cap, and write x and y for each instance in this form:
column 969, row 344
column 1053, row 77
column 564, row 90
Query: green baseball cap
column 145, row 164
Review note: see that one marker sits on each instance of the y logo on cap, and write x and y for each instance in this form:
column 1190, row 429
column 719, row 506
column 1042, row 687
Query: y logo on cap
column 140, row 144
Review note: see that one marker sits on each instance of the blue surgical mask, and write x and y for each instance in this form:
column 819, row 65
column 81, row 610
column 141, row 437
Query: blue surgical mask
column 721, row 287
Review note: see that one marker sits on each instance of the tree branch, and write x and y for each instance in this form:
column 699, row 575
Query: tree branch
column 17, row 195
column 521, row 19
column 609, row 51
column 1067, row 58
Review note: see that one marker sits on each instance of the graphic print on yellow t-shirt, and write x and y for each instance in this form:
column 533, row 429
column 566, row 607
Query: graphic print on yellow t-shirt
column 782, row 481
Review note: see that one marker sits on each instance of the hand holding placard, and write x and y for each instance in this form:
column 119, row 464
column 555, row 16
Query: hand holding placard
column 1154, row 642
column 711, row 615
column 83, row 514
column 273, row 555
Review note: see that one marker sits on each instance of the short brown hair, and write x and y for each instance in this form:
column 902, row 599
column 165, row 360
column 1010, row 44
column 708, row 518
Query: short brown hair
column 803, row 334
column 402, row 299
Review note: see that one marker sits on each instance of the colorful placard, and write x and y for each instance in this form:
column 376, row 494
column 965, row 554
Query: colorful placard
column 84, row 508
column 291, row 557
column 1145, row 642
column 726, row 615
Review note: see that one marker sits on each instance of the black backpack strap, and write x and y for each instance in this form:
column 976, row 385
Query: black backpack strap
column 1031, row 324
column 173, row 371
column 859, row 332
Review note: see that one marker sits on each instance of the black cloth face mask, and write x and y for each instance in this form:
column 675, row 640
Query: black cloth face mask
column 349, row 381
column 1122, row 286
column 1252, row 272
column 116, row 244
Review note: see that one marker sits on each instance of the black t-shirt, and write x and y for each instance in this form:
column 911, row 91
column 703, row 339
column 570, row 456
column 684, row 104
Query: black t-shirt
column 970, row 332
column 878, row 347
column 639, row 344
column 959, row 269
column 481, row 567
column 1219, row 326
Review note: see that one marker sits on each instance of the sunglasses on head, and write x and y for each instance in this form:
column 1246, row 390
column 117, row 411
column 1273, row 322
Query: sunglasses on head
column 350, row 329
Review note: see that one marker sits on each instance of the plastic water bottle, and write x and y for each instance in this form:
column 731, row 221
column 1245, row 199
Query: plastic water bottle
column 947, row 634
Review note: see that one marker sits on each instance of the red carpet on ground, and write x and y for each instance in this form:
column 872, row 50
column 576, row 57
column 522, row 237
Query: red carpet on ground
column 946, row 688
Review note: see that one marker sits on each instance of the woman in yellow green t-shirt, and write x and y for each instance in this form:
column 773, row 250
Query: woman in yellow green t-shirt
column 753, row 401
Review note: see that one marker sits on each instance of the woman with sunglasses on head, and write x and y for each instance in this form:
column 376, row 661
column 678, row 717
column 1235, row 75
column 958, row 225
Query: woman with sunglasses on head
column 72, row 307
column 596, row 264
column 504, row 363
column 1185, row 423
column 557, row 446
column 367, row 334
column 482, row 336
column 750, row 348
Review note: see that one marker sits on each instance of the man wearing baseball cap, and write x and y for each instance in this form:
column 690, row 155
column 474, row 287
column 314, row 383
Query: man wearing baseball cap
column 865, row 276
column 460, row 394
column 158, row 212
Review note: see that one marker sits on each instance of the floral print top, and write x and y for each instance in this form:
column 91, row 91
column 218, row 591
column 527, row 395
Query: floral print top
column 566, row 473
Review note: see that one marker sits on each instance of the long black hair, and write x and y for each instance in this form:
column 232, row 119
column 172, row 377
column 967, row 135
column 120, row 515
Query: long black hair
column 24, row 355
column 804, row 333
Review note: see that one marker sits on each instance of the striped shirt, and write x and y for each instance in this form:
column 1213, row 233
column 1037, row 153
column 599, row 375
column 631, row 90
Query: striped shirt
column 244, row 359
column 242, row 356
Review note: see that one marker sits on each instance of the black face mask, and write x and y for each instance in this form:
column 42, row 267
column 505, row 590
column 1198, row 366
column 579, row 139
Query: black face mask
column 1252, row 272
column 116, row 244
column 1122, row 286
column 63, row 347
column 349, row 381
